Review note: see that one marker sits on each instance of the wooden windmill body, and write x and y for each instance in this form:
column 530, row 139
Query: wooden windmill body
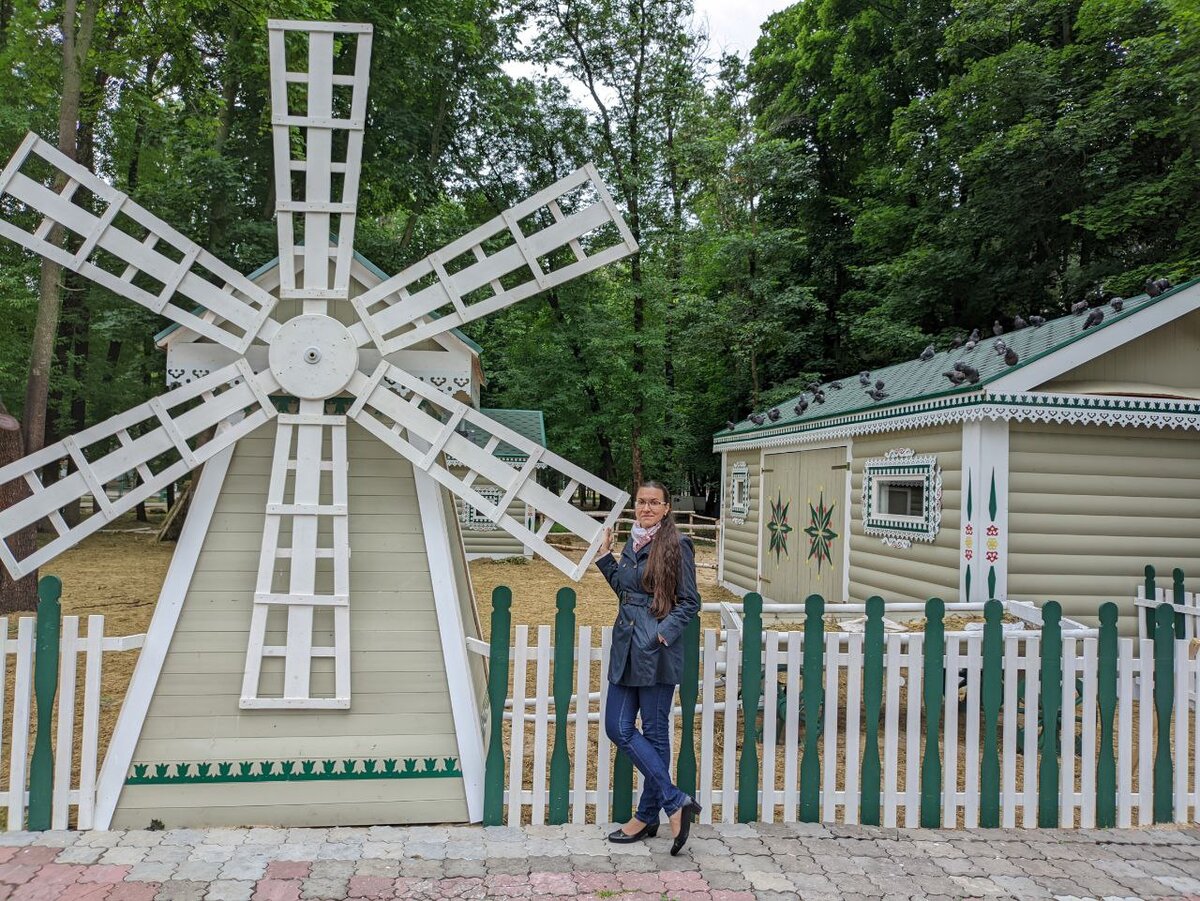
column 307, row 660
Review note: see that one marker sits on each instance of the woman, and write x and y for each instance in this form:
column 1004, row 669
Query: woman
column 655, row 581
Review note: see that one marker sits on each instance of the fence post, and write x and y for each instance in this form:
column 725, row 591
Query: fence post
column 45, row 686
column 1149, row 590
column 813, row 688
column 931, row 699
column 992, row 690
column 689, row 690
column 872, row 705
column 747, row 809
column 1050, row 704
column 1164, row 701
column 1106, row 689
column 493, row 781
column 1177, row 599
column 564, row 671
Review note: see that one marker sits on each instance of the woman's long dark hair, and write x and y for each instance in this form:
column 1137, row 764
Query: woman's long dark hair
column 662, row 566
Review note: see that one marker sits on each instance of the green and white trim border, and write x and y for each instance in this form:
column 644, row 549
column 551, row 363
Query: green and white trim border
column 739, row 493
column 208, row 772
column 900, row 532
column 1073, row 409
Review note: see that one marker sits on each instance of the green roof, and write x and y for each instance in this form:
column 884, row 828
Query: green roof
column 375, row 270
column 917, row 380
column 528, row 423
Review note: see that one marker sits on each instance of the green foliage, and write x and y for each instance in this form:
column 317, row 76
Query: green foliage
column 874, row 178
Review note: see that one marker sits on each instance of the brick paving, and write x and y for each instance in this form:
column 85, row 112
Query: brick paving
column 745, row 862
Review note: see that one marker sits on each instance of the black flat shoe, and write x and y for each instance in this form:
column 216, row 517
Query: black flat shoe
column 689, row 812
column 621, row 837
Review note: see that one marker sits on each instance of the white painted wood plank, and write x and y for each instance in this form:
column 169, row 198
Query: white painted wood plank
column 89, row 741
column 1146, row 733
column 541, row 721
column 770, row 699
column 1125, row 694
column 971, row 774
column 834, row 663
column 1032, row 660
column 891, row 730
column 912, row 781
column 64, row 743
column 516, row 770
column 854, row 671
column 950, row 735
column 733, row 667
column 1066, row 736
column 1181, row 732
column 22, row 705
column 791, row 744
column 1089, row 746
column 603, row 745
column 583, row 707
column 1008, row 793
column 708, row 724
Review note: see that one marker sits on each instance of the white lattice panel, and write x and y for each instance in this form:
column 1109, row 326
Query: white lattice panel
column 421, row 423
column 303, row 135
column 127, row 249
column 157, row 442
column 462, row 281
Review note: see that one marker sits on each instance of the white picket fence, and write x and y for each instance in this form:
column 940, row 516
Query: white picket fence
column 71, row 753
column 719, row 730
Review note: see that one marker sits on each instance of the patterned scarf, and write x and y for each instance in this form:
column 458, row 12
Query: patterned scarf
column 641, row 537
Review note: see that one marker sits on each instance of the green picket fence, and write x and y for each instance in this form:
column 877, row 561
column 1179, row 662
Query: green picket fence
column 932, row 729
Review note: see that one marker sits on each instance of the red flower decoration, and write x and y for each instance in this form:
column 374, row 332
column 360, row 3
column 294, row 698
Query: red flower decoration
column 992, row 556
column 970, row 529
column 968, row 554
column 993, row 529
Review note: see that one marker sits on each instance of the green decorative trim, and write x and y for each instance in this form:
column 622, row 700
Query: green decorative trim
column 185, row 773
column 493, row 780
column 872, row 773
column 752, row 676
column 564, row 670
column 932, row 688
column 1106, row 690
column 1050, row 704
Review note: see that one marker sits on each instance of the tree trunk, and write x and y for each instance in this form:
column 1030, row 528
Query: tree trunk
column 21, row 594
column 77, row 29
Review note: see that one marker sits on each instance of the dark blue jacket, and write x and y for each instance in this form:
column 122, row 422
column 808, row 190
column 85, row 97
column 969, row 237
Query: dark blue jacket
column 637, row 658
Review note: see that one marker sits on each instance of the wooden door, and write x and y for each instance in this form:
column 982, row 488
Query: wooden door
column 804, row 524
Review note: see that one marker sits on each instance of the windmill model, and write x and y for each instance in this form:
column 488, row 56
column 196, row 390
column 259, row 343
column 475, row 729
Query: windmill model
column 311, row 557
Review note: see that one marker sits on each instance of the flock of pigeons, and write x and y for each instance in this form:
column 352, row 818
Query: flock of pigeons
column 962, row 372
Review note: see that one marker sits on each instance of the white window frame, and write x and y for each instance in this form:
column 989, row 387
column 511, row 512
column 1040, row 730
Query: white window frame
column 739, row 493
column 902, row 466
column 474, row 520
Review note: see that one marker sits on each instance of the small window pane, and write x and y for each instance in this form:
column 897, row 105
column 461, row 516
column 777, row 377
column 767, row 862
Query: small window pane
column 902, row 498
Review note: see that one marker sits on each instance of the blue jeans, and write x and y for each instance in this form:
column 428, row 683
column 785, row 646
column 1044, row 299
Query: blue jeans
column 650, row 749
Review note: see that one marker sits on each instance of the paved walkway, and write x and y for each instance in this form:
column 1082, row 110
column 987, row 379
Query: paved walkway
column 721, row 863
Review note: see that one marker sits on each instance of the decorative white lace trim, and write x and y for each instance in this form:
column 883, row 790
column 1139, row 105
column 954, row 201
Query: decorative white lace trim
column 901, row 532
column 1072, row 409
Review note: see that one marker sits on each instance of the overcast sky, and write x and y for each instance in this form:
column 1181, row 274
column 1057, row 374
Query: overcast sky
column 733, row 25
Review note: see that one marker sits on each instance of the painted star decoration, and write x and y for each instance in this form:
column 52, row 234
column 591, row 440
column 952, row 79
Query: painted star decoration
column 778, row 526
column 820, row 535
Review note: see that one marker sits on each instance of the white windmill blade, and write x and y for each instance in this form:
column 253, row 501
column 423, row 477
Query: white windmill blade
column 159, row 441
column 304, row 146
column 422, row 424
column 294, row 578
column 463, row 281
column 126, row 249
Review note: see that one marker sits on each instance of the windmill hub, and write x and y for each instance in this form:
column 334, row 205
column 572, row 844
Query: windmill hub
column 313, row 356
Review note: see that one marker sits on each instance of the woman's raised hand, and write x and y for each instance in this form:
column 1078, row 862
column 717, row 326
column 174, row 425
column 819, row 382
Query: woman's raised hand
column 608, row 539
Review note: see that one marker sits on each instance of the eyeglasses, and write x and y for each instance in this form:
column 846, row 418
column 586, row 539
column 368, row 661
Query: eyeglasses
column 642, row 502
